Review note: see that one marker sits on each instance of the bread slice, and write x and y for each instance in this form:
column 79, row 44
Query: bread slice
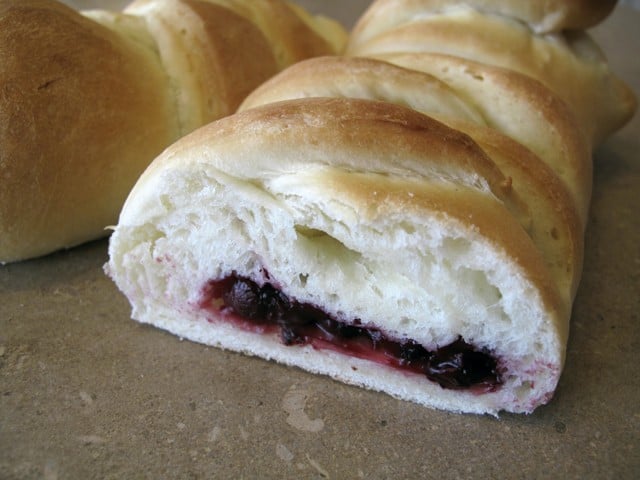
column 352, row 238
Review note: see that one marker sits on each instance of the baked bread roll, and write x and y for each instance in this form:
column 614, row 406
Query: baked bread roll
column 411, row 223
column 569, row 63
column 90, row 99
column 352, row 238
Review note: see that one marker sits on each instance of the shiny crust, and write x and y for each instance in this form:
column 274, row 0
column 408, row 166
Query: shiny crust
column 355, row 77
column 292, row 33
column 429, row 147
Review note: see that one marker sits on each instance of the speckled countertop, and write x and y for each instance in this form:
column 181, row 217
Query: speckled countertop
column 87, row 393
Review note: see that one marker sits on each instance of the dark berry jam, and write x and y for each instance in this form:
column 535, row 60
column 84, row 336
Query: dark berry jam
column 266, row 309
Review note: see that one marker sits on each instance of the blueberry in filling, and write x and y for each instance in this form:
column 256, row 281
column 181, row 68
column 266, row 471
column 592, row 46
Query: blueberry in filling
column 457, row 365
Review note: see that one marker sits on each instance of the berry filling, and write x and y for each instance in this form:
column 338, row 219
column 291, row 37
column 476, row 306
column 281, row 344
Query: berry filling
column 265, row 309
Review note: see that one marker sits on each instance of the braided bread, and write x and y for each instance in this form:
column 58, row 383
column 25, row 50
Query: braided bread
column 89, row 99
column 411, row 223
column 569, row 63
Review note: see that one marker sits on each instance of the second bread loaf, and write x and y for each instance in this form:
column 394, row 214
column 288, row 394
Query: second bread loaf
column 89, row 99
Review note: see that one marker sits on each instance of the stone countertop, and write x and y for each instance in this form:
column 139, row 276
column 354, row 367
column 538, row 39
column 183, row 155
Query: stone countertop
column 87, row 393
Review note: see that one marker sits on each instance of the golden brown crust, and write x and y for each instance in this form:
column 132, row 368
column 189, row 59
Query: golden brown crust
column 71, row 145
column 359, row 77
column 235, row 56
column 373, row 127
column 87, row 101
column 213, row 55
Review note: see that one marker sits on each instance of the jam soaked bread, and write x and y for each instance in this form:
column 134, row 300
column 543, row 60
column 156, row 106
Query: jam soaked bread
column 352, row 238
column 90, row 98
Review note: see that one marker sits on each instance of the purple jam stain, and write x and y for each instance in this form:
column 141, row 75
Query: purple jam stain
column 265, row 308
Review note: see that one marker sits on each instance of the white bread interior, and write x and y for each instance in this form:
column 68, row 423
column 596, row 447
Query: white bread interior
column 365, row 209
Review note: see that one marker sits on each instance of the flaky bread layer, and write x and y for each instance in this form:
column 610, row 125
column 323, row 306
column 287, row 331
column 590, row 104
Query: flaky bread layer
column 473, row 98
column 394, row 229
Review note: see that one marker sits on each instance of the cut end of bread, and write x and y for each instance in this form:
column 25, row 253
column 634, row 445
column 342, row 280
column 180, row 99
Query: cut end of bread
column 271, row 239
